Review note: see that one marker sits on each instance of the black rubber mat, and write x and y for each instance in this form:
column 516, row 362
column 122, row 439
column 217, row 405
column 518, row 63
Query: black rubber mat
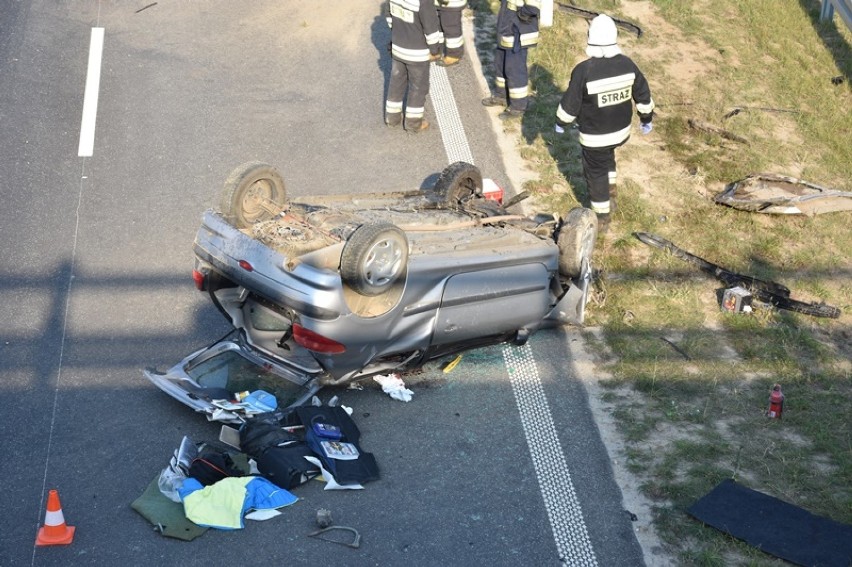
column 775, row 527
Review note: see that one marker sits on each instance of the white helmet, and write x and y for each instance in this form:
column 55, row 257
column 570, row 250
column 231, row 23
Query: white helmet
column 602, row 31
column 603, row 37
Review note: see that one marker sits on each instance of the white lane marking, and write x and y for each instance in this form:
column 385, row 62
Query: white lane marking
column 90, row 97
column 449, row 121
column 554, row 479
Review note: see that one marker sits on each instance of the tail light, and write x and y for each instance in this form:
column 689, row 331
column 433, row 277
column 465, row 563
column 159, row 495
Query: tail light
column 200, row 278
column 316, row 342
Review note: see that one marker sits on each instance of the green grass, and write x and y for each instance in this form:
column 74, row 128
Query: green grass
column 689, row 385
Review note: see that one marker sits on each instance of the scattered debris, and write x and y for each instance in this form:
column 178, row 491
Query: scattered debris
column 838, row 80
column 736, row 300
column 738, row 109
column 146, row 7
column 774, row 526
column 452, row 364
column 704, row 127
column 769, row 292
column 779, row 194
column 589, row 14
column 324, row 518
column 355, row 543
column 677, row 348
column 776, row 402
column 393, row 386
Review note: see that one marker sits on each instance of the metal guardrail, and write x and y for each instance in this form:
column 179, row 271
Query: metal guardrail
column 843, row 7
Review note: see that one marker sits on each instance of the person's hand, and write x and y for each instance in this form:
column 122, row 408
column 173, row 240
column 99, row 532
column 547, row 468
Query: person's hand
column 559, row 129
column 646, row 128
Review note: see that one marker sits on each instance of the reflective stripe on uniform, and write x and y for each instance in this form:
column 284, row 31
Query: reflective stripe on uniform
column 414, row 112
column 393, row 107
column 434, row 38
column 613, row 177
column 604, row 140
column 500, row 82
column 645, row 108
column 527, row 40
column 413, row 5
column 454, row 42
column 601, row 208
column 412, row 55
column 520, row 92
column 610, row 83
column 564, row 116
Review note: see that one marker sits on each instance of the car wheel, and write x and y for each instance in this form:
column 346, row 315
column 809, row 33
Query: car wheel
column 374, row 257
column 576, row 240
column 253, row 192
column 459, row 182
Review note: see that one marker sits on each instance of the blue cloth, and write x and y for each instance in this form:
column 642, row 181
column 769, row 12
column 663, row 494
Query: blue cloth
column 224, row 504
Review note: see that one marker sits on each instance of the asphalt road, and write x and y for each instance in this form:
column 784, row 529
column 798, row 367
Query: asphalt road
column 496, row 463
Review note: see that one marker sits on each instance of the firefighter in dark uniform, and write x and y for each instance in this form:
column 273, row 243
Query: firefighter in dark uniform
column 415, row 42
column 450, row 17
column 517, row 31
column 600, row 99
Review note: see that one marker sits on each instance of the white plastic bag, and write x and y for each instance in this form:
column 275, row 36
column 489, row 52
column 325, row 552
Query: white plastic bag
column 172, row 477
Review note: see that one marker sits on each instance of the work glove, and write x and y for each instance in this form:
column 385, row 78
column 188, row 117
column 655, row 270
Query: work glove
column 559, row 129
column 646, row 128
column 526, row 15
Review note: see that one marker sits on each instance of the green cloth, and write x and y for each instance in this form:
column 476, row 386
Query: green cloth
column 167, row 517
column 219, row 505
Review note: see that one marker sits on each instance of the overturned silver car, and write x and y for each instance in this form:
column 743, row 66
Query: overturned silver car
column 327, row 290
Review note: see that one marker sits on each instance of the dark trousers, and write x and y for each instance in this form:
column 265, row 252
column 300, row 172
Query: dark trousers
column 451, row 26
column 598, row 169
column 512, row 76
column 411, row 77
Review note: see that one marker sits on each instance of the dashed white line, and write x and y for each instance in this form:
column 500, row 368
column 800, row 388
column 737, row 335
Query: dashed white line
column 90, row 96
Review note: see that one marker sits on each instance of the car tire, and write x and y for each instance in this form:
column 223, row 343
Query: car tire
column 576, row 240
column 253, row 192
column 374, row 258
column 458, row 182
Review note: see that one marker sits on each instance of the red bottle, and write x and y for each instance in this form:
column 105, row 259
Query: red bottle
column 776, row 402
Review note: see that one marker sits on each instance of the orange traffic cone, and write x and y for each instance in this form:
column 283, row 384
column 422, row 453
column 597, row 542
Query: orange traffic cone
column 54, row 531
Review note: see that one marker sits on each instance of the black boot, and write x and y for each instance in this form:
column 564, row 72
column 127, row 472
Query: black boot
column 394, row 119
column 603, row 223
column 494, row 101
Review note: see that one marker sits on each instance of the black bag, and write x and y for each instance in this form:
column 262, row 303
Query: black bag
column 286, row 466
column 262, row 432
column 211, row 467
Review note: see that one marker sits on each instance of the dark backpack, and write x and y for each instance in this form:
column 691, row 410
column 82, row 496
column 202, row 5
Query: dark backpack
column 262, row 432
column 210, row 467
column 286, row 466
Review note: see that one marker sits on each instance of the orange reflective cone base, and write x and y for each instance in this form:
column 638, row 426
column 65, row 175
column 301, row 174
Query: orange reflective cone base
column 54, row 531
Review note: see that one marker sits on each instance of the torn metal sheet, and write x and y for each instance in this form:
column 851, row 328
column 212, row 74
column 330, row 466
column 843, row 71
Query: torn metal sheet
column 779, row 194
column 769, row 292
